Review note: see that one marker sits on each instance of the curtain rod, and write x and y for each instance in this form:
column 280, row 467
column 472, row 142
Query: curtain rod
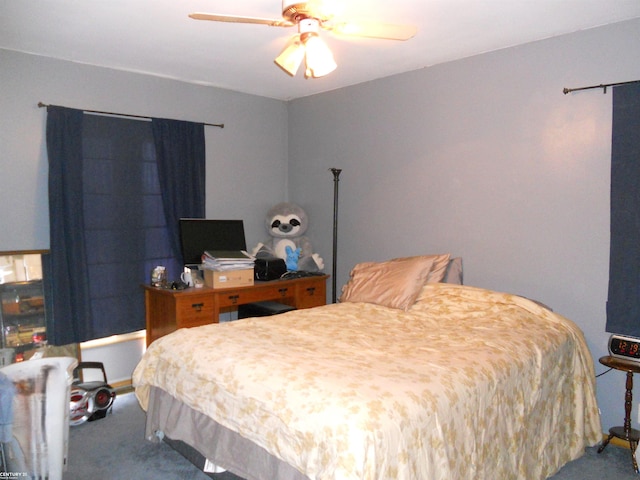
column 43, row 105
column 603, row 86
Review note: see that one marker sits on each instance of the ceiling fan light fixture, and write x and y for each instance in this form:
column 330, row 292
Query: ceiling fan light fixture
column 291, row 56
column 311, row 16
column 318, row 56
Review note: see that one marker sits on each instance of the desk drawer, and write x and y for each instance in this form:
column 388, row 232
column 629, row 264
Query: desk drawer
column 271, row 292
column 311, row 294
column 194, row 310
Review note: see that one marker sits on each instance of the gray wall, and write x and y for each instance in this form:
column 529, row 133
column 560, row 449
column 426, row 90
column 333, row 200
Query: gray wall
column 484, row 158
column 249, row 153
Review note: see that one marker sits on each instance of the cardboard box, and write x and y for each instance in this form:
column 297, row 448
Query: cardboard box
column 228, row 278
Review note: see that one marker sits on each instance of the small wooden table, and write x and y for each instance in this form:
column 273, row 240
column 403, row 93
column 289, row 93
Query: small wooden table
column 625, row 432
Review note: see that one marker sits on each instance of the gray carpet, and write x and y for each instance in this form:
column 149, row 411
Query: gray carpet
column 115, row 448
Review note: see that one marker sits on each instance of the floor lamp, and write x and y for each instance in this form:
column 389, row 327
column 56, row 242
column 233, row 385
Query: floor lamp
column 336, row 179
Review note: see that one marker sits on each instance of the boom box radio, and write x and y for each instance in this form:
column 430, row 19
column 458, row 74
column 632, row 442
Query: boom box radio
column 91, row 400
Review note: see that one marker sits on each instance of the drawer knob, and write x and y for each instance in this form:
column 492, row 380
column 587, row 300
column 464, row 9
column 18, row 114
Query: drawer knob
column 197, row 306
column 283, row 291
column 311, row 291
column 234, row 298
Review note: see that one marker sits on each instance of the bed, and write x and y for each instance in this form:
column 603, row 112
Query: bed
column 406, row 378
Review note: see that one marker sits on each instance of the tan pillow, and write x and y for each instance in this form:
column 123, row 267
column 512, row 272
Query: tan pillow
column 395, row 283
column 439, row 269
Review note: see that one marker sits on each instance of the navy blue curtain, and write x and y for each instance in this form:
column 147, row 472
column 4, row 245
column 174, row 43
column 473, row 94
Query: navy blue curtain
column 67, row 283
column 623, row 304
column 124, row 225
column 180, row 153
column 108, row 191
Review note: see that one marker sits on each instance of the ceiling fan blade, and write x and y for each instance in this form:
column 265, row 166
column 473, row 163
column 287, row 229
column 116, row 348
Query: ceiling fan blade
column 385, row 31
column 239, row 19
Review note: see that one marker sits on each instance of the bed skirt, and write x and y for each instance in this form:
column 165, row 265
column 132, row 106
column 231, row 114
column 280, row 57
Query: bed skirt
column 218, row 444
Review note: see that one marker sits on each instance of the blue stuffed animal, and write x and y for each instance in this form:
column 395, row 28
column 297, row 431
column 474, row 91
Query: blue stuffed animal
column 292, row 258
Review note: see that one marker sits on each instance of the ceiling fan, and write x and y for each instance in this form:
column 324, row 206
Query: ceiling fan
column 311, row 17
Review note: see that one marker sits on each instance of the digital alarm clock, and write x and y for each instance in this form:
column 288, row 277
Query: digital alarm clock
column 622, row 346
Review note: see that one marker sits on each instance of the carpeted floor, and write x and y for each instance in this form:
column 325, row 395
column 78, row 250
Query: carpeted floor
column 115, row 448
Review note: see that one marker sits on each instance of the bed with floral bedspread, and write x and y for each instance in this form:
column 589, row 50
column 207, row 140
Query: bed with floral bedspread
column 461, row 383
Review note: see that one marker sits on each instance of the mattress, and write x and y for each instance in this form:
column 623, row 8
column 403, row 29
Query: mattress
column 467, row 383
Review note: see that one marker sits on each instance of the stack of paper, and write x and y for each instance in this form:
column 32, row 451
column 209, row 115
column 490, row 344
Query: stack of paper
column 223, row 260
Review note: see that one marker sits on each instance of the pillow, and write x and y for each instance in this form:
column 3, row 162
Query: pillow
column 395, row 283
column 454, row 272
column 439, row 269
column 440, row 266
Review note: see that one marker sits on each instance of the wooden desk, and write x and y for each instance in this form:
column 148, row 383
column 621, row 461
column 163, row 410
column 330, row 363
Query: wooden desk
column 168, row 310
column 625, row 432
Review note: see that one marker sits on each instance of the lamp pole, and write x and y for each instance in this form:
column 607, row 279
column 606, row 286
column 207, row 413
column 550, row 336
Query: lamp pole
column 336, row 179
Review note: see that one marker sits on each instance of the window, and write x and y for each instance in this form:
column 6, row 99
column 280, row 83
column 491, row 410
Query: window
column 117, row 189
column 124, row 223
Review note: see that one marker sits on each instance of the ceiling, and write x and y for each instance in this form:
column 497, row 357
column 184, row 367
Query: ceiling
column 157, row 37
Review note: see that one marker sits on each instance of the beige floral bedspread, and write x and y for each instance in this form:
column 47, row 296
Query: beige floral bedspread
column 467, row 384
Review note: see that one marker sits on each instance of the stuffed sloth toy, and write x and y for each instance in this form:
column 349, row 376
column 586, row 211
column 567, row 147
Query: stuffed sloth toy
column 287, row 223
